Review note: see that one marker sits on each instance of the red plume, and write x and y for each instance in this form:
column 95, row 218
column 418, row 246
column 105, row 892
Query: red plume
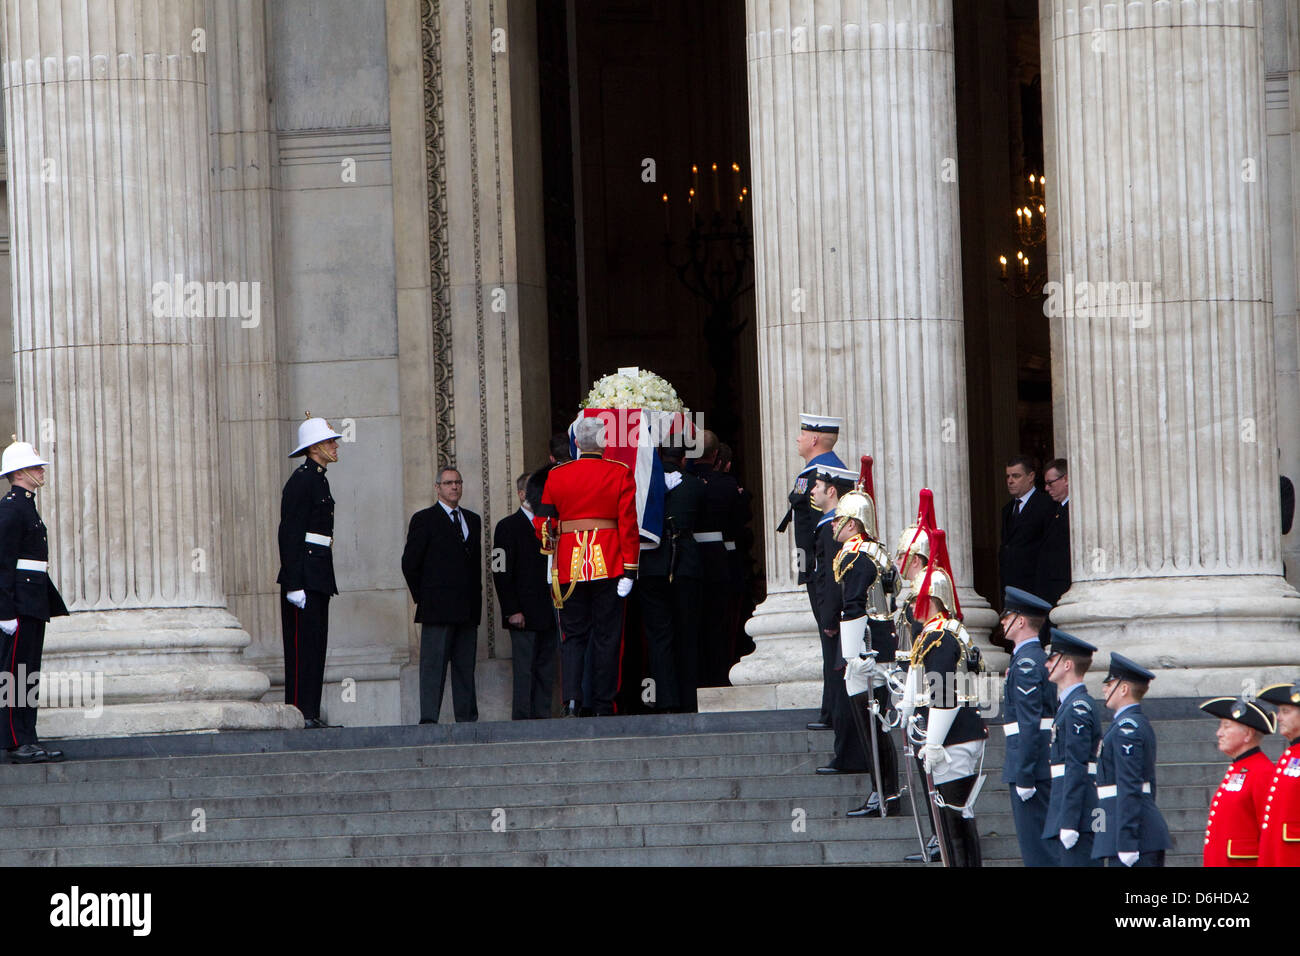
column 938, row 562
column 924, row 517
column 940, row 549
column 865, row 481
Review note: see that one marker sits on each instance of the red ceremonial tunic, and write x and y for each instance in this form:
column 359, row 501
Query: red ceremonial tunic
column 1279, row 838
column 1232, row 830
column 592, row 488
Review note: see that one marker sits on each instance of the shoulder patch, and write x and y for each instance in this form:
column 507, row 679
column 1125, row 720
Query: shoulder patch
column 1081, row 707
column 1025, row 665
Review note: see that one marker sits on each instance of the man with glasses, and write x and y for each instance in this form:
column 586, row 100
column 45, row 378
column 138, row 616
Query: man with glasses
column 442, row 565
column 1054, row 557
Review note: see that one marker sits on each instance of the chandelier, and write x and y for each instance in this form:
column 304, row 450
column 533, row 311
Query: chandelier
column 1027, row 275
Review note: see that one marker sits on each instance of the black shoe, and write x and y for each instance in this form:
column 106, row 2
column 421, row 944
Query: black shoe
column 931, row 849
column 818, row 725
column 426, row 720
column 28, row 753
column 831, row 768
column 872, row 807
column 570, row 709
column 313, row 723
column 52, row 755
column 586, row 712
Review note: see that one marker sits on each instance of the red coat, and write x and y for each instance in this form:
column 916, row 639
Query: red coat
column 1279, row 839
column 592, row 487
column 1232, row 829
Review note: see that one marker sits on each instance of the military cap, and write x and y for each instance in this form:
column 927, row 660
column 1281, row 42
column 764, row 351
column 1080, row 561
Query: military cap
column 1281, row 694
column 842, row 478
column 1241, row 710
column 1016, row 601
column 820, row 423
column 1121, row 668
column 1063, row 643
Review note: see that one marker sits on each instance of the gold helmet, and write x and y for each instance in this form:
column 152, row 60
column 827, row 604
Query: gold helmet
column 856, row 505
column 936, row 584
column 912, row 541
column 941, row 590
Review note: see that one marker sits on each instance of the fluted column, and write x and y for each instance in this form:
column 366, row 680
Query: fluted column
column 858, row 284
column 107, row 119
column 1158, row 177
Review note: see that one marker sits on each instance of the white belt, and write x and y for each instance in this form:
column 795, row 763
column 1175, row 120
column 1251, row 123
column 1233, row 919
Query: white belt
column 708, row 537
column 1044, row 723
column 1112, row 790
column 1058, row 769
column 26, row 564
column 729, row 545
column 322, row 540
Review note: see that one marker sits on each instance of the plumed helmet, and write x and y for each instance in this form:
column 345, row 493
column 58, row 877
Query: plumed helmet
column 856, row 505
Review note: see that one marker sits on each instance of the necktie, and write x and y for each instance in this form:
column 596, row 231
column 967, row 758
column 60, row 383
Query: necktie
column 1019, row 503
column 455, row 517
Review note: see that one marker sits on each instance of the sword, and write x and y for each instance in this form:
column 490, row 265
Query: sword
column 869, row 742
column 908, row 756
column 940, row 824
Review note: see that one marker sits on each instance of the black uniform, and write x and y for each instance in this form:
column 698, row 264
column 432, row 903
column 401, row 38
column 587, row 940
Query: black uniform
column 850, row 749
column 719, row 522
column 1054, row 557
column 306, row 507
column 31, row 598
column 670, row 581
column 858, row 574
column 1029, row 706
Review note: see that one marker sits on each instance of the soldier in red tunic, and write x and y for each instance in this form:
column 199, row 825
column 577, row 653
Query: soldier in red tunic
column 1279, row 837
column 587, row 523
column 1237, row 810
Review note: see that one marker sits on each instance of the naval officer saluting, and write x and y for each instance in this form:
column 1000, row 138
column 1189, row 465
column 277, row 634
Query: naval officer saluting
column 28, row 599
column 816, row 443
column 307, row 568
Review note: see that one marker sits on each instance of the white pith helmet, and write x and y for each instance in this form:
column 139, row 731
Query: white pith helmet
column 311, row 432
column 19, row 455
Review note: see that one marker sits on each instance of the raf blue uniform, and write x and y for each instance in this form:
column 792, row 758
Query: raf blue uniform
column 1076, row 737
column 1028, row 704
column 1126, row 782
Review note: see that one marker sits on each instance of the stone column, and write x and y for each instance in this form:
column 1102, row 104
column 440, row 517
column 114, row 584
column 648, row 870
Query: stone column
column 1158, row 194
column 858, row 285
column 106, row 118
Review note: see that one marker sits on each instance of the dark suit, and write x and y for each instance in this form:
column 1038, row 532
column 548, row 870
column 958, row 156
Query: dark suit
column 1029, row 706
column 442, row 570
column 306, row 508
column 1054, row 557
column 519, row 575
column 30, row 597
column 671, row 586
column 721, row 518
column 1126, row 793
column 1022, row 540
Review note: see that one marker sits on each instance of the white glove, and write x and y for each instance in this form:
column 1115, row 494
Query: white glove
column 624, row 587
column 1025, row 793
column 672, row 479
column 1069, row 838
column 9, row 626
column 935, row 757
column 1128, row 859
column 297, row 598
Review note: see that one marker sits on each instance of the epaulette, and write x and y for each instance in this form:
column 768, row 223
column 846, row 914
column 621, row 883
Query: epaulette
column 842, row 561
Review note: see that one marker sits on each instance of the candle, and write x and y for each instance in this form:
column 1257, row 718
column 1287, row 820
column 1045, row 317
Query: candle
column 695, row 178
column 668, row 223
column 735, row 177
column 717, row 194
column 1025, row 263
column 1003, row 261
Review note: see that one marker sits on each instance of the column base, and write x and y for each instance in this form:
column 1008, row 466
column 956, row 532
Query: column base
column 152, row 671
column 1201, row 636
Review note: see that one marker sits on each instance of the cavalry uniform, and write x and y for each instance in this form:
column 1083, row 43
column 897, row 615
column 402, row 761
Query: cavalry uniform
column 1126, row 781
column 306, row 579
column 587, row 523
column 1279, row 837
column 28, row 599
column 1029, row 706
column 943, row 658
column 1075, row 740
column 805, row 517
column 1237, row 810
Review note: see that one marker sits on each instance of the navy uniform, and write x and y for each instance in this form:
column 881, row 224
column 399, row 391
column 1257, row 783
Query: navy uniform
column 1130, row 822
column 805, row 517
column 1076, row 738
column 306, row 579
column 28, row 599
column 719, row 522
column 1028, row 707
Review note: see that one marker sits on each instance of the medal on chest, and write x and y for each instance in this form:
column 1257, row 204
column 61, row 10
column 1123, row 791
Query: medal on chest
column 800, row 485
column 1235, row 781
column 1292, row 768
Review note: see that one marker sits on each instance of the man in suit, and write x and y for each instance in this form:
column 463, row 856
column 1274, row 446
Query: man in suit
column 306, row 579
column 28, row 599
column 815, row 445
column 1076, row 738
column 587, row 521
column 1054, row 557
column 442, row 565
column 671, row 585
column 719, row 522
column 1024, row 522
column 524, row 593
column 1133, row 832
column 1028, row 704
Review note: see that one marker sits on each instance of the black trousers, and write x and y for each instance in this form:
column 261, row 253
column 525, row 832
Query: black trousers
column 850, row 748
column 1030, row 817
column 533, row 662
column 960, row 835
column 593, row 615
column 21, row 655
column 306, row 635
column 830, row 658
column 671, row 615
column 441, row 646
column 714, row 638
column 1154, row 858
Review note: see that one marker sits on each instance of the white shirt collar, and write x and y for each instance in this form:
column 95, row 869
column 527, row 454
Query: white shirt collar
column 1026, row 496
column 1120, row 712
column 1068, row 690
column 528, row 512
